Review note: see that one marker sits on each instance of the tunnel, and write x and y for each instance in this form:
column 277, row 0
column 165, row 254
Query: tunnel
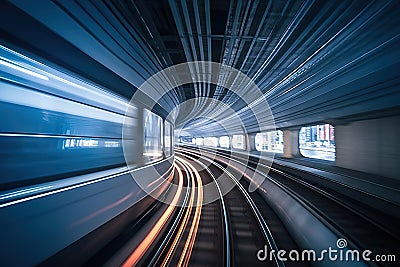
column 199, row 133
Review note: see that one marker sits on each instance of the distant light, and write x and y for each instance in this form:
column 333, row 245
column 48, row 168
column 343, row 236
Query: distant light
column 22, row 69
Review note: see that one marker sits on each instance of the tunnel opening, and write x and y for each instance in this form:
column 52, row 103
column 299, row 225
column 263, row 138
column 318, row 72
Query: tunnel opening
column 318, row 142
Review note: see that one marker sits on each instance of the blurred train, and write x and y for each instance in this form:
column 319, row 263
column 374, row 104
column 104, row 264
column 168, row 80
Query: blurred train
column 64, row 175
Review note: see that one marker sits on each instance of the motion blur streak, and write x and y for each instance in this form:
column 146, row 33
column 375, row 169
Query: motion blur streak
column 184, row 260
column 23, row 191
column 19, row 68
column 188, row 247
column 185, row 219
column 60, row 190
column 148, row 240
column 102, row 210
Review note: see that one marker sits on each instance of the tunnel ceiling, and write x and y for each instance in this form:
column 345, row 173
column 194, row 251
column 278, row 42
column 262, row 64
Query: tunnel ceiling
column 314, row 61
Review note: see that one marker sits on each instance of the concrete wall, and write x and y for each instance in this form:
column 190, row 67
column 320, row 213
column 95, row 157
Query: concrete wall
column 371, row 146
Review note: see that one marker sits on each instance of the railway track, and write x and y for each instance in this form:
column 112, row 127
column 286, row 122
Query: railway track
column 226, row 232
column 355, row 223
column 247, row 225
column 233, row 229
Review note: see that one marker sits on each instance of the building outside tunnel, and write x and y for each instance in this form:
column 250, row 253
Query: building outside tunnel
column 199, row 133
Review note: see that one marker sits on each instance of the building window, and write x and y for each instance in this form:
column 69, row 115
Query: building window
column 318, row 141
column 238, row 141
column 270, row 141
column 224, row 141
column 211, row 141
column 200, row 141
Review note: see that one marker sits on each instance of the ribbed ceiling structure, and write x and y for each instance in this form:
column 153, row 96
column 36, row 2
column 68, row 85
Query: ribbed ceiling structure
column 313, row 61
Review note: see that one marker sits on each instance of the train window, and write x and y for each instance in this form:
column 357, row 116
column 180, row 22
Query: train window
column 167, row 139
column 270, row 141
column 152, row 136
column 318, row 141
column 211, row 141
column 224, row 141
column 238, row 141
column 200, row 141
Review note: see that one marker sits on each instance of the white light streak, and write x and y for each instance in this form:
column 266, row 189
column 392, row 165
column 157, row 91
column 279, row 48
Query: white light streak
column 22, row 69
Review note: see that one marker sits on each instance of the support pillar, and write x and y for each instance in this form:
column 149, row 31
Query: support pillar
column 250, row 142
column 291, row 143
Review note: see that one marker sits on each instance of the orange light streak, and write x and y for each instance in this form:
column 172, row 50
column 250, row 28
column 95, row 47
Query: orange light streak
column 183, row 224
column 188, row 248
column 138, row 253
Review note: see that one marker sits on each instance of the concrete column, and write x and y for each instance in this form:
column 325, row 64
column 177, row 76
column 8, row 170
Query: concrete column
column 250, row 142
column 291, row 143
column 370, row 146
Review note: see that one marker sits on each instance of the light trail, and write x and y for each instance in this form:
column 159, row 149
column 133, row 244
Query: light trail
column 188, row 248
column 194, row 205
column 264, row 227
column 138, row 253
column 185, row 219
column 164, row 246
column 223, row 205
